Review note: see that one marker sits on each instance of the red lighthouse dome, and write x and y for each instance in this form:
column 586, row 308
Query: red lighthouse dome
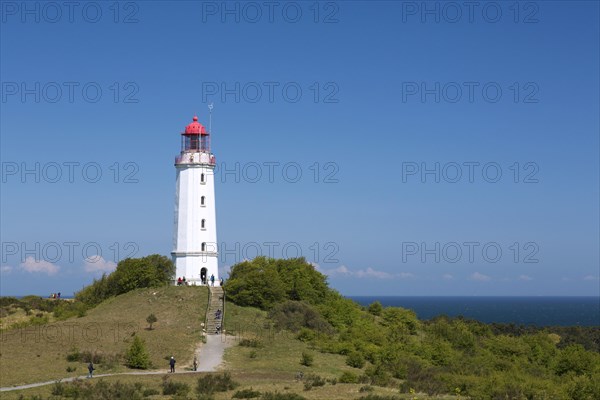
column 195, row 128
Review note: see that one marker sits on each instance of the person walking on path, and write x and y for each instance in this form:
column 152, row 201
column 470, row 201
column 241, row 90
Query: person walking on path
column 212, row 280
column 195, row 364
column 172, row 364
column 91, row 369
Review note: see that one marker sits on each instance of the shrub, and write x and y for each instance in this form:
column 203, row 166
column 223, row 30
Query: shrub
column 348, row 377
column 102, row 390
column 174, row 388
column 74, row 355
column 282, row 396
column 375, row 308
column 378, row 375
column 255, row 343
column 306, row 359
column 574, row 358
column 264, row 282
column 312, row 380
column 246, row 394
column 305, row 335
column 209, row 384
column 295, row 315
column 150, row 392
column 132, row 273
column 366, row 388
column 355, row 360
column 137, row 356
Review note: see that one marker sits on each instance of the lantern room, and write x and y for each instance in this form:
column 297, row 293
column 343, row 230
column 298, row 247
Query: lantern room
column 195, row 138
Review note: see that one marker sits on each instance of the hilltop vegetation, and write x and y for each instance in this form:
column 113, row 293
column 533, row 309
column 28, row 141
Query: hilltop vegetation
column 296, row 339
column 132, row 273
column 390, row 347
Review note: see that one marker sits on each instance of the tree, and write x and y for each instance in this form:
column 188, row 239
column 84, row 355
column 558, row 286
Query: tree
column 375, row 308
column 265, row 282
column 150, row 320
column 132, row 273
column 137, row 356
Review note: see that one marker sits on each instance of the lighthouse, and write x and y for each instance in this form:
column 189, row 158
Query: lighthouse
column 195, row 239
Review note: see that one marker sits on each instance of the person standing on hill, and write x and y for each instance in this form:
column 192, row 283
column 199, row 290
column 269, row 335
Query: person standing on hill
column 212, row 280
column 195, row 364
column 172, row 363
column 91, row 369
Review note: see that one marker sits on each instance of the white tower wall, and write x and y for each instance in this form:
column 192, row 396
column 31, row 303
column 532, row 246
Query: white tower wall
column 195, row 246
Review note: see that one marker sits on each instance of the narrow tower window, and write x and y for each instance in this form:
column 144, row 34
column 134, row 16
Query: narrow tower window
column 201, row 178
column 202, row 201
column 203, row 246
column 203, row 224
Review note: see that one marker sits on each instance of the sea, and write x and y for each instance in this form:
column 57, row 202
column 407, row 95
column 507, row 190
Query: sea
column 536, row 311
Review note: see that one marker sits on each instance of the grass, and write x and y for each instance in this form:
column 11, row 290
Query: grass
column 39, row 353
column 272, row 368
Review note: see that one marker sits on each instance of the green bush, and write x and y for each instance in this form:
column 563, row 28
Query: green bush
column 306, row 359
column 265, row 282
column 348, row 377
column 246, row 394
column 170, row 387
column 150, row 392
column 355, row 360
column 209, row 384
column 101, row 390
column 375, row 308
column 255, row 343
column 295, row 315
column 74, row 355
column 282, row 396
column 313, row 380
column 132, row 273
column 576, row 359
column 137, row 356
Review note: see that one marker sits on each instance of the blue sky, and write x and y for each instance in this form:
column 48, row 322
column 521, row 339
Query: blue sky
column 442, row 151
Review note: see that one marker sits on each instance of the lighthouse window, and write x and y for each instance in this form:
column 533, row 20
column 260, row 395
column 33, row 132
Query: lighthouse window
column 201, row 178
column 203, row 223
column 203, row 246
column 202, row 201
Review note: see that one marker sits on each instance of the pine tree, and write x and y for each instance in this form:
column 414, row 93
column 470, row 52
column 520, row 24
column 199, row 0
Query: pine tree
column 137, row 356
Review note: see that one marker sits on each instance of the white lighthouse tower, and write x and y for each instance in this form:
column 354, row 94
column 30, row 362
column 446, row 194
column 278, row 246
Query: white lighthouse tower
column 195, row 240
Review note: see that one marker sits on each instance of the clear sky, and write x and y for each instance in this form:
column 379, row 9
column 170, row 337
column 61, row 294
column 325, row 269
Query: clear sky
column 444, row 148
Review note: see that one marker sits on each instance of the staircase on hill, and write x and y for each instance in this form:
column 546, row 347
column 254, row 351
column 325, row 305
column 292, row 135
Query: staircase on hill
column 216, row 303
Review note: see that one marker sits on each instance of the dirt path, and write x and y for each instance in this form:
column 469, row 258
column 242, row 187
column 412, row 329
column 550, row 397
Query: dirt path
column 209, row 354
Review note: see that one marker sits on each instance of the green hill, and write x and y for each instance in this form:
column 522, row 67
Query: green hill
column 293, row 335
column 39, row 352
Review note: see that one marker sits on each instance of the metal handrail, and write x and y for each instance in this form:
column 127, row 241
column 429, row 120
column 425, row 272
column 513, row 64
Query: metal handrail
column 206, row 314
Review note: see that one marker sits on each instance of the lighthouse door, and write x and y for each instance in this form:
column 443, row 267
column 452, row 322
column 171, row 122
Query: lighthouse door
column 203, row 276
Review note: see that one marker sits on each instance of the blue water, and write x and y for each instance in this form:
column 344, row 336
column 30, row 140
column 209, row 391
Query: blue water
column 538, row 311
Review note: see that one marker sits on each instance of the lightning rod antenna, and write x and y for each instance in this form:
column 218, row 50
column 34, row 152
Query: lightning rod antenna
column 210, row 108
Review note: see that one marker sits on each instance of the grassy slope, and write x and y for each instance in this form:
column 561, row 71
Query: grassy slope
column 272, row 369
column 38, row 353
